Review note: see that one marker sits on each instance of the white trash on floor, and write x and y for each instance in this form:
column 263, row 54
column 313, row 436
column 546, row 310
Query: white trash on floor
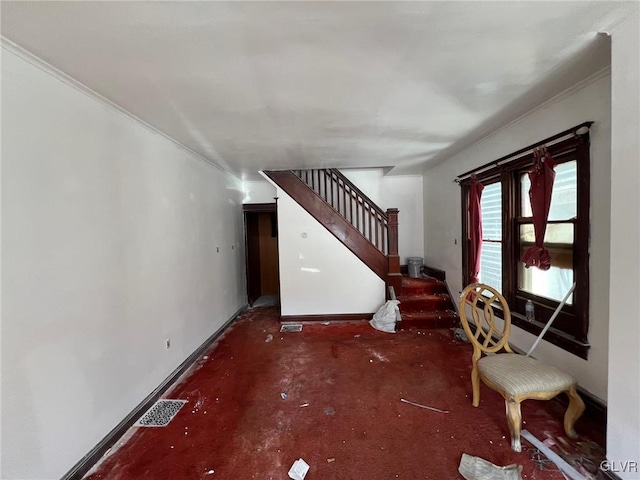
column 299, row 469
column 385, row 318
column 476, row 468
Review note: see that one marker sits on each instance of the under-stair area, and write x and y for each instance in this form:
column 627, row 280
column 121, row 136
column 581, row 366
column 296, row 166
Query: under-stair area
column 353, row 218
column 372, row 235
column 425, row 303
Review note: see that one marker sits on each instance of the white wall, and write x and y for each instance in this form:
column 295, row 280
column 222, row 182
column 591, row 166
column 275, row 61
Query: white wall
column 403, row 192
column 258, row 192
column 589, row 101
column 109, row 247
column 369, row 180
column 623, row 422
column 318, row 274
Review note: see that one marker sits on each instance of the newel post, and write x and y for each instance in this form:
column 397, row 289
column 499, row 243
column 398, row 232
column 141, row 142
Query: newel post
column 394, row 277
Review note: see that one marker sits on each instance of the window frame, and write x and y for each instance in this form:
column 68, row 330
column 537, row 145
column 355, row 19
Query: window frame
column 570, row 329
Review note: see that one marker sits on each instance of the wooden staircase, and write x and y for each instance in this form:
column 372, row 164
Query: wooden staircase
column 352, row 217
column 425, row 303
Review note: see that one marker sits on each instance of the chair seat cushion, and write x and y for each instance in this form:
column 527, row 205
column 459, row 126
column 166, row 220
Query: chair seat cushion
column 518, row 375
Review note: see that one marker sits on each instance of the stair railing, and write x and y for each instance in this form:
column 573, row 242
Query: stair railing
column 378, row 227
column 350, row 203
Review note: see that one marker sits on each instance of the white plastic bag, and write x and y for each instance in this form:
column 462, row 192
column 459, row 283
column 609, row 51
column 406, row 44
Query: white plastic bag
column 385, row 318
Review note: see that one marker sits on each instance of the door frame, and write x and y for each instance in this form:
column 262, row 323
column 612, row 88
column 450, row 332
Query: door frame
column 256, row 208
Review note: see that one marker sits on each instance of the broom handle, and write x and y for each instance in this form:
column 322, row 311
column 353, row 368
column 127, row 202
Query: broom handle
column 553, row 317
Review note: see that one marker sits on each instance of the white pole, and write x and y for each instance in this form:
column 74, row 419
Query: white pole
column 553, row 317
column 553, row 456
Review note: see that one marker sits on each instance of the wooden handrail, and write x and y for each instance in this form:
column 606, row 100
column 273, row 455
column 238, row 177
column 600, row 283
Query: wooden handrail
column 341, row 228
column 377, row 227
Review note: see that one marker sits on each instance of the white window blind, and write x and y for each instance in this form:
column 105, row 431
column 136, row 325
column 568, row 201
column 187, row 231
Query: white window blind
column 491, row 257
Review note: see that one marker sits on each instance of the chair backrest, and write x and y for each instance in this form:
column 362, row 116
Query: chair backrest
column 477, row 304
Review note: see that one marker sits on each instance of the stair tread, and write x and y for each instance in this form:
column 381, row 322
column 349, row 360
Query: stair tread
column 422, row 286
column 429, row 320
column 429, row 314
column 408, row 281
column 423, row 296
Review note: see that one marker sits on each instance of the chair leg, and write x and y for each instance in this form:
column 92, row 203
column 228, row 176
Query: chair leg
column 514, row 419
column 573, row 413
column 475, row 383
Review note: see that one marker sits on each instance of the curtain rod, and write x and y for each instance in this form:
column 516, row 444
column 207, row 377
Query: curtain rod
column 554, row 139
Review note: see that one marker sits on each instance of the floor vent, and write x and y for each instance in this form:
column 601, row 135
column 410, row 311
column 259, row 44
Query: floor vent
column 161, row 413
column 291, row 327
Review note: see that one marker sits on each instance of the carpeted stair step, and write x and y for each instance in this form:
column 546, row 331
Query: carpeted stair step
column 424, row 302
column 423, row 285
column 429, row 319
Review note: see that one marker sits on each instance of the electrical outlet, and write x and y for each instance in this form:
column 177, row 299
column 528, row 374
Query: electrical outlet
column 167, row 343
column 217, row 249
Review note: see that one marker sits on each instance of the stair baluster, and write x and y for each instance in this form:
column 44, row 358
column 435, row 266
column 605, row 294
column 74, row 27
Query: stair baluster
column 379, row 228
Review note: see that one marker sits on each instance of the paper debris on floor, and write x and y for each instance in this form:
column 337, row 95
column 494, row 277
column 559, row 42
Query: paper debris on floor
column 476, row 468
column 299, row 469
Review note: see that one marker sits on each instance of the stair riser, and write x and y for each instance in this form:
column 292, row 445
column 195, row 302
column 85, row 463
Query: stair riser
column 425, row 305
column 428, row 323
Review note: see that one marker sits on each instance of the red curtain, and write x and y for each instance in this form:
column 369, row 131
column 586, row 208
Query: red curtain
column 475, row 229
column 542, row 176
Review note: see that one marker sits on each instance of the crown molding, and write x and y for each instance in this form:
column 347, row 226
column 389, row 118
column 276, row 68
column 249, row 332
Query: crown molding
column 594, row 77
column 46, row 67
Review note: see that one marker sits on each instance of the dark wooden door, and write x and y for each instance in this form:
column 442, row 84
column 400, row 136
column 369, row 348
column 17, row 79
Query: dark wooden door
column 252, row 232
column 261, row 241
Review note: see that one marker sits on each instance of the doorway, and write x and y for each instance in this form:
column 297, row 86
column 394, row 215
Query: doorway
column 261, row 246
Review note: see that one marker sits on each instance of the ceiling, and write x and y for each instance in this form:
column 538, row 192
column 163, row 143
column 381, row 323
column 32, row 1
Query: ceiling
column 268, row 85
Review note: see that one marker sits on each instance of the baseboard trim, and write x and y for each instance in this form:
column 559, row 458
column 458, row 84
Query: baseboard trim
column 81, row 468
column 337, row 317
column 435, row 273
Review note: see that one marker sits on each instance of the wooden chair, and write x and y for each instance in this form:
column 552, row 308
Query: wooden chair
column 514, row 376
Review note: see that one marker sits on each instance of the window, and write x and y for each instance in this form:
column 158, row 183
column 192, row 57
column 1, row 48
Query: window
column 508, row 232
column 555, row 282
column 491, row 256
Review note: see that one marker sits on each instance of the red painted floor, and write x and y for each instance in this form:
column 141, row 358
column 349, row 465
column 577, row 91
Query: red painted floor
column 236, row 425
